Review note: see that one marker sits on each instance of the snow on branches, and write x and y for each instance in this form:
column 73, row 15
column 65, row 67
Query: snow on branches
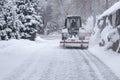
column 18, row 19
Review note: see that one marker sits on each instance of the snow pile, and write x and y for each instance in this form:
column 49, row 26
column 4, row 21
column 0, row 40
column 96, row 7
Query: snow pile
column 39, row 39
column 109, row 57
column 95, row 37
column 54, row 34
column 12, row 45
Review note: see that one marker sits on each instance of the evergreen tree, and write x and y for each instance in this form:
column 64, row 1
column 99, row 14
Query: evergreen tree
column 31, row 22
column 18, row 19
column 7, row 29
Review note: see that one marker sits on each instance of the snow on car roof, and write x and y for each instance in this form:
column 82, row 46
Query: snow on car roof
column 111, row 10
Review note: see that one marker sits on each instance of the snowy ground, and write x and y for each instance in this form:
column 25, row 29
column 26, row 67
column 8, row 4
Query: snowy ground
column 45, row 60
column 110, row 58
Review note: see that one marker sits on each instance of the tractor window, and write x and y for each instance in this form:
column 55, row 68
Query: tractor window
column 72, row 23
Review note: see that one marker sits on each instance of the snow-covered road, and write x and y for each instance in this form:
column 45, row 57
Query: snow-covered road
column 50, row 62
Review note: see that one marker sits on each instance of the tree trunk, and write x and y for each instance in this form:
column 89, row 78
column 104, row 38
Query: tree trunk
column 33, row 36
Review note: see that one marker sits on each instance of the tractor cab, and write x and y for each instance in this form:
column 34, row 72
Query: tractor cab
column 73, row 35
column 73, row 24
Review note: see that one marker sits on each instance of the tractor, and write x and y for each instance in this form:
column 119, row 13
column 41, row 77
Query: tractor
column 73, row 34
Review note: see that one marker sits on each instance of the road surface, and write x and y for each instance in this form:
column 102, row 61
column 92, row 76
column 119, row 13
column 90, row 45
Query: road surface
column 54, row 63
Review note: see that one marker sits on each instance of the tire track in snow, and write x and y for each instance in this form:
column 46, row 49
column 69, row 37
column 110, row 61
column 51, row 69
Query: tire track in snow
column 51, row 71
column 38, row 70
column 84, row 67
column 30, row 69
column 103, row 71
column 66, row 68
column 62, row 68
column 20, row 72
column 69, row 70
column 66, row 64
column 42, row 69
column 78, row 68
column 47, row 72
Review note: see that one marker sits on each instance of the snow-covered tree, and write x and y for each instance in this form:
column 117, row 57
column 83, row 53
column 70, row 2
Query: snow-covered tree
column 19, row 19
column 8, row 30
column 30, row 21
